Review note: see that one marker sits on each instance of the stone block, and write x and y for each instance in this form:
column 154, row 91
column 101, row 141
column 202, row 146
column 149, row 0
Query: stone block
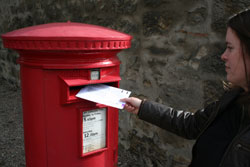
column 212, row 63
column 155, row 3
column 124, row 6
column 154, row 50
column 197, row 16
column 213, row 89
column 222, row 10
column 156, row 22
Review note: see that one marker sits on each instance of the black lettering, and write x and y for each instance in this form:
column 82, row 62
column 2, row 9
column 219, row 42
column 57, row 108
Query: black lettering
column 86, row 135
column 91, row 118
column 93, row 134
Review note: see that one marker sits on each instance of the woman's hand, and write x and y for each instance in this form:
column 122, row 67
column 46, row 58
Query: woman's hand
column 132, row 104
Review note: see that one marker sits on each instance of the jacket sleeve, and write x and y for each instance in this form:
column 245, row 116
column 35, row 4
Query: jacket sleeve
column 183, row 123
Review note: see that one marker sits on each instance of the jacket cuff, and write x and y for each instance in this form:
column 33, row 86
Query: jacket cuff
column 140, row 108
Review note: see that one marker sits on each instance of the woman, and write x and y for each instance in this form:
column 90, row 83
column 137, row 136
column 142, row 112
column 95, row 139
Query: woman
column 222, row 129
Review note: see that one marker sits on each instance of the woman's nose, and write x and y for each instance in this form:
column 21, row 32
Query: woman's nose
column 224, row 56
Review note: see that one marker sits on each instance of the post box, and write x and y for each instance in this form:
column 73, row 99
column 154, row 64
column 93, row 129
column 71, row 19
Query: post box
column 56, row 61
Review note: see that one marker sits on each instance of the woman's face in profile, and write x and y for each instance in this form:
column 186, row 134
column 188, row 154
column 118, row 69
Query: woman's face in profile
column 233, row 58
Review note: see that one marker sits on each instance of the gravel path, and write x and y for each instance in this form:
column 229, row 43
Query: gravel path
column 11, row 127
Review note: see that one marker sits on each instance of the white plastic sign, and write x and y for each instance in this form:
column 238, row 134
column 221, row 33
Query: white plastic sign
column 94, row 130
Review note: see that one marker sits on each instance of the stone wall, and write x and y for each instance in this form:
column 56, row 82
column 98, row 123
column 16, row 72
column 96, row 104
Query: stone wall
column 174, row 58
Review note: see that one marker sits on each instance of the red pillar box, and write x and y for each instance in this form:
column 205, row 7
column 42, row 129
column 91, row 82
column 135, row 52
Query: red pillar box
column 56, row 61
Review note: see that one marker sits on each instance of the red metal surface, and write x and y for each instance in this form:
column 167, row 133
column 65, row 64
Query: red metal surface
column 66, row 36
column 55, row 63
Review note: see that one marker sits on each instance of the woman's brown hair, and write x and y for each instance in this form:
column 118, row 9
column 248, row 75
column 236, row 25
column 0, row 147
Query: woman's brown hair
column 240, row 24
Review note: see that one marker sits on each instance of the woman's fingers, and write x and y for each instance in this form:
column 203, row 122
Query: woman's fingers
column 133, row 101
column 132, row 104
column 129, row 108
column 126, row 100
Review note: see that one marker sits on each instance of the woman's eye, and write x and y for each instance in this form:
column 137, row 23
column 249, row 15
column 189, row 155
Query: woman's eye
column 229, row 48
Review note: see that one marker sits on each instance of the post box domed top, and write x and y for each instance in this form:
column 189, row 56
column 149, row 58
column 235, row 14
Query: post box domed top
column 66, row 36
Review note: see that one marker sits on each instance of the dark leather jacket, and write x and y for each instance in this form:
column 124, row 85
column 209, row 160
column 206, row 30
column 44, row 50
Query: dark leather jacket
column 191, row 125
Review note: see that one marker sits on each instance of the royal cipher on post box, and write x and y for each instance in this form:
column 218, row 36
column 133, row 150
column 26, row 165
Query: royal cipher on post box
column 56, row 61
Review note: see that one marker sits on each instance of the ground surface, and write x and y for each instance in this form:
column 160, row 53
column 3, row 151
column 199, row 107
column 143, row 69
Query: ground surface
column 11, row 130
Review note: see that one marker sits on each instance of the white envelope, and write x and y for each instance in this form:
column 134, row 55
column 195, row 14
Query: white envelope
column 104, row 94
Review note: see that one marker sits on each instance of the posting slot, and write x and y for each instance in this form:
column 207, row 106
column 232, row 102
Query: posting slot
column 71, row 88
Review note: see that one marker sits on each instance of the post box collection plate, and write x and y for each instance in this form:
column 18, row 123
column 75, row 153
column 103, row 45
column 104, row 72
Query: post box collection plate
column 93, row 130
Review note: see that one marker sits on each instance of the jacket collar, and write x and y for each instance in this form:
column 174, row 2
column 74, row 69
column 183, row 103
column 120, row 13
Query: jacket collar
column 228, row 97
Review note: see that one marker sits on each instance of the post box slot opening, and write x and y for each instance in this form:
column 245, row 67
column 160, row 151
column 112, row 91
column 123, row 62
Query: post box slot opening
column 73, row 90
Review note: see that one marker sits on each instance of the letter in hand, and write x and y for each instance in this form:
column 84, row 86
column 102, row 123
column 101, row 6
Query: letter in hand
column 132, row 104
